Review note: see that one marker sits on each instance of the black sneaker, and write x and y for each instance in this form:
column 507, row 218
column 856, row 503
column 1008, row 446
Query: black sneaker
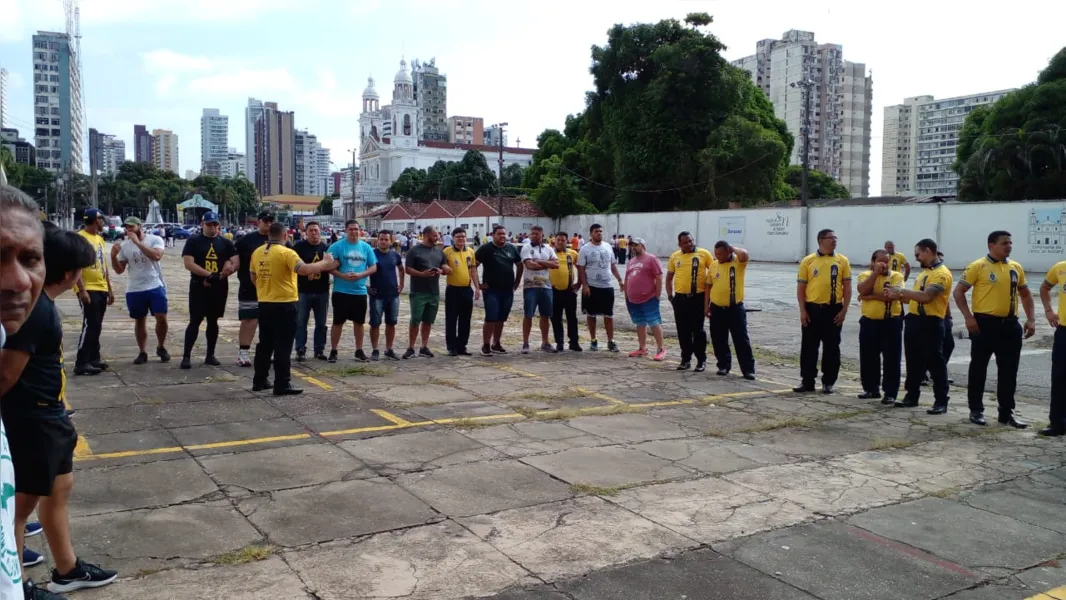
column 576, row 348
column 391, row 354
column 162, row 353
column 31, row 591
column 361, row 356
column 423, row 351
column 288, row 390
column 546, row 347
column 453, row 353
column 301, row 355
column 375, row 355
column 498, row 349
column 141, row 358
column 486, row 350
column 611, row 346
column 185, row 363
column 723, row 372
column 332, row 356
column 87, row 370
column 99, row 364
column 320, row 356
column 83, row 575
column 594, row 346
column 464, row 352
column 409, row 353
column 684, row 366
column 700, row 367
column 259, row 386
column 212, row 361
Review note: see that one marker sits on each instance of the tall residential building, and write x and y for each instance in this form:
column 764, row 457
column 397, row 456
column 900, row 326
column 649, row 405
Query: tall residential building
column 105, row 152
column 252, row 112
column 57, row 106
column 492, row 136
column 275, row 159
column 841, row 103
column 312, row 165
column 23, row 151
column 431, row 94
column 322, row 170
column 466, row 130
column 3, row 97
column 214, row 141
column 165, row 150
column 233, row 165
column 142, row 144
column 920, row 140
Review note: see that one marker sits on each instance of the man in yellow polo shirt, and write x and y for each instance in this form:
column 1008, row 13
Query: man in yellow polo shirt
column 823, row 290
column 880, row 329
column 94, row 293
column 273, row 270
column 564, row 294
column 1056, row 278
column 686, row 287
column 726, row 309
column 923, row 336
column 897, row 261
column 460, row 293
column 997, row 283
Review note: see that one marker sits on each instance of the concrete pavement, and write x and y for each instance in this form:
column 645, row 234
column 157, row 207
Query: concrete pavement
column 545, row 477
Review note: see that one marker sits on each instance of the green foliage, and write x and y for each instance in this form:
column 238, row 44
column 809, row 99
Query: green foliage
column 1015, row 149
column 325, row 207
column 558, row 193
column 821, row 186
column 462, row 180
column 512, row 178
column 670, row 125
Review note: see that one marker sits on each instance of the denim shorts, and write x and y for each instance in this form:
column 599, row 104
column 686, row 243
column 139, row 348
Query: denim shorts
column 645, row 314
column 537, row 300
column 384, row 307
column 498, row 304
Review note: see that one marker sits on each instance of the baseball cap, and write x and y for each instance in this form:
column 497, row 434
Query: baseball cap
column 210, row 217
column 132, row 221
column 639, row 241
column 266, row 215
column 91, row 214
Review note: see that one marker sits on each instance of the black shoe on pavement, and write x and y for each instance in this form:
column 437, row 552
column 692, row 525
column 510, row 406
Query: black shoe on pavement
column 498, row 349
column 1053, row 431
column 375, row 355
column 749, row 376
column 978, row 418
column 906, row 403
column 87, row 370
column 141, row 358
column 162, row 353
column 32, row 591
column 464, row 352
column 301, row 355
column 938, row 409
column 827, row 389
column 361, row 356
column 888, row 401
column 99, row 364
column 611, row 346
column 320, row 356
column 391, row 354
column 805, row 388
column 288, row 391
column 84, row 575
column 559, row 348
column 925, row 382
column 576, row 348
column 409, row 353
column 332, row 356
column 723, row 372
column 423, row 351
column 210, row 360
column 259, row 386
column 486, row 350
column 185, row 363
column 684, row 366
column 1013, row 420
column 700, row 367
column 453, row 353
column 868, row 395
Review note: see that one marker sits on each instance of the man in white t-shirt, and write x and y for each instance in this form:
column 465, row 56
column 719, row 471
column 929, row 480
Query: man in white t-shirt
column 146, row 291
column 596, row 265
column 537, row 259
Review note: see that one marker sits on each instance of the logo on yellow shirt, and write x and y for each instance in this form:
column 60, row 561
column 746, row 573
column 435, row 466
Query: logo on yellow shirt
column 992, row 277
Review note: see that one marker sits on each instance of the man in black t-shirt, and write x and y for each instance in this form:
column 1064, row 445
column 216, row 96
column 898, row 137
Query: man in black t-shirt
column 211, row 259
column 314, row 293
column 247, row 301
column 41, row 436
column 501, row 274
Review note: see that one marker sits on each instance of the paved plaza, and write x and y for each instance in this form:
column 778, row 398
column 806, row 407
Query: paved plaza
column 552, row 477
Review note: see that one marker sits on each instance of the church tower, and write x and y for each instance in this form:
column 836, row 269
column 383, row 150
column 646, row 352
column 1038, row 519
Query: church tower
column 369, row 125
column 404, row 111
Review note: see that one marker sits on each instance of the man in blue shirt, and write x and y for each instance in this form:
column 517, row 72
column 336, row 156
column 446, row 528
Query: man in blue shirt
column 386, row 285
column 356, row 263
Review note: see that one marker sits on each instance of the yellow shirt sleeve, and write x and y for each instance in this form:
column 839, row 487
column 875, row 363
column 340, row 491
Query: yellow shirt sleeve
column 940, row 278
column 1052, row 278
column 804, row 273
column 292, row 260
column 1022, row 283
column 896, row 279
column 971, row 274
column 845, row 271
column 473, row 258
column 864, row 276
column 670, row 263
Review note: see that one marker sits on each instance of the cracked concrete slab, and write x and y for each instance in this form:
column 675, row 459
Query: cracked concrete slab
column 336, row 510
column 628, row 427
column 419, row 394
column 419, row 451
column 977, row 539
column 270, row 578
column 712, row 455
column 470, row 489
column 703, row 419
column 244, row 430
column 140, row 486
column 535, row 437
column 821, row 488
column 222, row 411
column 160, row 537
column 433, row 562
column 832, row 561
column 607, row 466
column 287, row 467
column 816, row 441
column 572, row 537
column 923, row 472
column 711, row 510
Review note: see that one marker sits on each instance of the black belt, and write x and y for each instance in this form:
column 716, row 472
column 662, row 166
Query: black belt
column 1003, row 318
column 692, row 295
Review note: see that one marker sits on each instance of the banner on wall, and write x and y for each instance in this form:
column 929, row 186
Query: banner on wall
column 731, row 229
column 1047, row 230
column 777, row 224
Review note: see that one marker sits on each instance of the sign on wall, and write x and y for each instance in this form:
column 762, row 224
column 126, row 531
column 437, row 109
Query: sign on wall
column 1047, row 230
column 731, row 229
column 777, row 224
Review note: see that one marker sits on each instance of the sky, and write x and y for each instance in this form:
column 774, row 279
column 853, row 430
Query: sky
column 160, row 63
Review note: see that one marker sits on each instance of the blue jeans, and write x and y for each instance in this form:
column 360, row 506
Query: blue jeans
column 319, row 304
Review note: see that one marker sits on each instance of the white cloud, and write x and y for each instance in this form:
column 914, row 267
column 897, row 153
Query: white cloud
column 238, row 83
column 165, row 84
column 15, row 81
column 168, row 60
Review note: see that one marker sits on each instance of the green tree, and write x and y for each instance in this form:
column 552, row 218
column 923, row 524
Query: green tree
column 410, row 184
column 325, row 207
column 1015, row 149
column 462, row 180
column 558, row 193
column 821, row 186
column 512, row 178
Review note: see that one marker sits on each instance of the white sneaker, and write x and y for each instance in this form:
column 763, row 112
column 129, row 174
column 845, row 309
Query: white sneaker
column 244, row 358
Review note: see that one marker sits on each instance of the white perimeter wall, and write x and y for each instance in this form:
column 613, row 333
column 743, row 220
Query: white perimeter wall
column 778, row 235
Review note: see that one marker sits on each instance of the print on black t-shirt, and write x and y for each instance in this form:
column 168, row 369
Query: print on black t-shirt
column 210, row 254
column 311, row 253
column 41, row 389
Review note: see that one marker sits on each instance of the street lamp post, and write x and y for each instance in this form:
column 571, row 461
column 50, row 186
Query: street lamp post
column 806, row 85
column 499, row 180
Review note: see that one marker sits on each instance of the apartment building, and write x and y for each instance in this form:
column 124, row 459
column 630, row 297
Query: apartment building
column 493, row 135
column 841, row 103
column 275, row 157
column 921, row 137
column 466, row 130
column 214, row 141
column 57, row 106
column 142, row 144
column 431, row 94
column 165, row 150
column 105, row 152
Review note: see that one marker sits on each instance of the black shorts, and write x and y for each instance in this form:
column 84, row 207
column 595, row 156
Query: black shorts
column 207, row 302
column 599, row 302
column 41, row 450
column 349, row 307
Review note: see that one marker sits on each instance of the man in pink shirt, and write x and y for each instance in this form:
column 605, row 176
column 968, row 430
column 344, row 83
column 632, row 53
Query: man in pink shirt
column 643, row 284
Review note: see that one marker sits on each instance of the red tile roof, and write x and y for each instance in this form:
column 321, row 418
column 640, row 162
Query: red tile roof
column 482, row 147
column 482, row 206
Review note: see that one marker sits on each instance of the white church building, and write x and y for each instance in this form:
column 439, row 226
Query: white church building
column 390, row 141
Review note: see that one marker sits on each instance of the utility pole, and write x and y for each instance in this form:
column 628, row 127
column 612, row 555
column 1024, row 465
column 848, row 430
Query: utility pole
column 806, row 85
column 352, row 216
column 499, row 181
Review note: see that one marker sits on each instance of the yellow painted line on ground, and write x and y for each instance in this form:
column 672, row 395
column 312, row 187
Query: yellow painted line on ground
column 515, row 371
column 130, row 453
column 1058, row 593
column 384, row 414
column 664, row 403
column 598, row 395
column 366, row 429
column 318, row 382
column 81, row 449
column 263, row 440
